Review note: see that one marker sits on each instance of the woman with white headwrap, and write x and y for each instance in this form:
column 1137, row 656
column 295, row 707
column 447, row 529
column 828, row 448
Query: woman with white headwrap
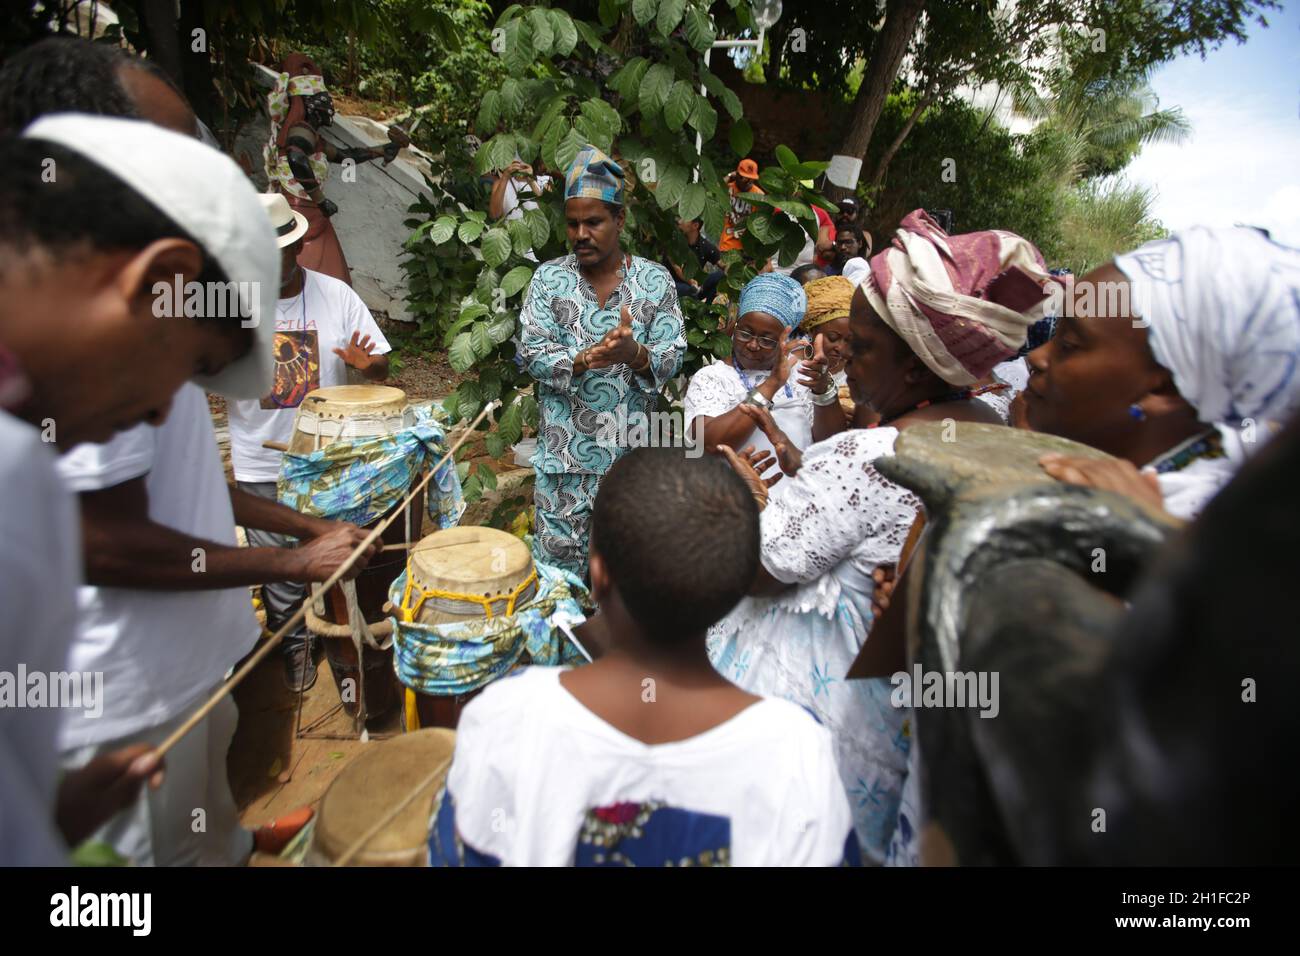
column 928, row 323
column 1177, row 358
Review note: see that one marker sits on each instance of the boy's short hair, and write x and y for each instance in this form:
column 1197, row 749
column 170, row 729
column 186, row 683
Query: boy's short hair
column 680, row 538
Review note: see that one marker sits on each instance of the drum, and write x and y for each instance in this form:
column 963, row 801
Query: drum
column 475, row 569
column 372, row 786
column 346, row 413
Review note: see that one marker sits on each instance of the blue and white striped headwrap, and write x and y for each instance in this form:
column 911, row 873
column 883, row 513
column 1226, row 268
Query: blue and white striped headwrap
column 776, row 294
column 1222, row 310
column 594, row 175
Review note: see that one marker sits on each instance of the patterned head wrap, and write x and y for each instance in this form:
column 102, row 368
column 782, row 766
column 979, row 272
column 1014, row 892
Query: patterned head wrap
column 1222, row 309
column 776, row 294
column 594, row 175
column 961, row 303
column 828, row 299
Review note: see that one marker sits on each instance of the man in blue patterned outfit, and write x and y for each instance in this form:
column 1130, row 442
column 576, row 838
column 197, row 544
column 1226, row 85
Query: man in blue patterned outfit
column 600, row 331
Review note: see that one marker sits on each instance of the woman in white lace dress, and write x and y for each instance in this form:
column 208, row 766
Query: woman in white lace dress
column 839, row 521
column 760, row 371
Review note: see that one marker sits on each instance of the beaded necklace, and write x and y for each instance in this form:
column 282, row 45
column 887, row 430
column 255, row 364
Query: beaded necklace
column 1208, row 444
column 960, row 395
column 744, row 379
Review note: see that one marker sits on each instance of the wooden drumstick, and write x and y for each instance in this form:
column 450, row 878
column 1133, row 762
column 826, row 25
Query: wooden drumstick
column 275, row 445
column 260, row 654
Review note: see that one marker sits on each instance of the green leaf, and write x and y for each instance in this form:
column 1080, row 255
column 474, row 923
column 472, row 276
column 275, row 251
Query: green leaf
column 487, row 476
column 786, row 157
column 568, row 148
column 594, row 133
column 589, row 36
column 539, row 226
column 501, row 327
column 692, row 202
column 678, row 105
column 510, row 97
column 469, row 230
column 791, row 246
column 489, row 112
column 699, row 29
column 566, row 34
column 521, row 238
column 715, row 214
column 609, row 11
column 704, row 118
column 742, row 138
column 777, row 181
column 517, row 278
column 670, row 14
column 626, row 82
column 731, row 103
column 759, row 223
column 672, row 180
column 643, row 10
column 480, row 340
column 510, row 424
column 518, row 53
column 442, row 230
column 461, row 353
column 655, row 86
column 543, row 35
column 551, row 141
column 496, row 246
column 495, row 444
column 604, row 115
column 475, row 310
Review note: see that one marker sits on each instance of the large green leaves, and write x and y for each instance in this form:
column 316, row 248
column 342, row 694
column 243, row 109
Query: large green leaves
column 516, row 279
column 496, row 246
column 691, row 205
column 742, row 137
column 644, row 10
column 699, row 29
column 655, row 86
column 672, row 181
column 670, row 14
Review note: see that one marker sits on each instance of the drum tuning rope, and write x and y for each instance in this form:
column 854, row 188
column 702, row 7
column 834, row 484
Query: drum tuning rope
column 274, row 640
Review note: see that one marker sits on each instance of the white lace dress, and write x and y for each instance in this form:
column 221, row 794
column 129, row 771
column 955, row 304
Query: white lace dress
column 838, row 520
column 716, row 389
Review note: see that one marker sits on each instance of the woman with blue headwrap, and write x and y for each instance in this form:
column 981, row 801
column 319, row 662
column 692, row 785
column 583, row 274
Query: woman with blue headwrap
column 726, row 399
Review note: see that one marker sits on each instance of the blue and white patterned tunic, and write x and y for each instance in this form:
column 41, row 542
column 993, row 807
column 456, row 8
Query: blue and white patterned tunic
column 560, row 318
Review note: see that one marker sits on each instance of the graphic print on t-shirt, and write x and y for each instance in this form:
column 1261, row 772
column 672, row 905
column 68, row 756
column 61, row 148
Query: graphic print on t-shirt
column 297, row 367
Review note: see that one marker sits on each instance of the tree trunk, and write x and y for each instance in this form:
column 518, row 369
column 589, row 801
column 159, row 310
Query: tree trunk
column 160, row 27
column 887, row 53
column 882, row 166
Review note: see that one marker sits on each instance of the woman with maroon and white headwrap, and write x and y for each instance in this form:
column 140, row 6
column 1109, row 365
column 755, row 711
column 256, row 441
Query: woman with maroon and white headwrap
column 927, row 323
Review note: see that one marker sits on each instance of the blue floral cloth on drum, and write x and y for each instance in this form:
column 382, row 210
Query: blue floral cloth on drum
column 361, row 480
column 461, row 656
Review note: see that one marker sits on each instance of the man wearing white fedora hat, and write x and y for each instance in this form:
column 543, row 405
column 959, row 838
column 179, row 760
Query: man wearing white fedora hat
column 322, row 329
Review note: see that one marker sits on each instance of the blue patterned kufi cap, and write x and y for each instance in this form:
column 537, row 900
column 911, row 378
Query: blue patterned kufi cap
column 776, row 294
column 594, row 175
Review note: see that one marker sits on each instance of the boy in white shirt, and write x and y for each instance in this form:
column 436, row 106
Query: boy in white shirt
column 322, row 328
column 647, row 757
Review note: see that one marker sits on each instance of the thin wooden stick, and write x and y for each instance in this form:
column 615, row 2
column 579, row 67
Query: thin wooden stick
column 388, row 817
column 260, row 654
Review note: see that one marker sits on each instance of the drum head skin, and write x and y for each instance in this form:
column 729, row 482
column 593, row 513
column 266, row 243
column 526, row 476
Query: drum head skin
column 344, row 412
column 479, row 561
column 373, row 784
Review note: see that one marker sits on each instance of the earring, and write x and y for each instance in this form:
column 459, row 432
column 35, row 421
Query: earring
column 1135, row 412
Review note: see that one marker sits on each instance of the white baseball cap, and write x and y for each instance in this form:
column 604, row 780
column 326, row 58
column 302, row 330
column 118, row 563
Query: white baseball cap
column 206, row 194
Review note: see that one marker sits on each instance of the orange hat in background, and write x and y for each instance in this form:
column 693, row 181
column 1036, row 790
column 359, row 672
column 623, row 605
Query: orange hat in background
column 748, row 168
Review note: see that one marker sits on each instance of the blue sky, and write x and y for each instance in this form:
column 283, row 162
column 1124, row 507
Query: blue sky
column 1242, row 163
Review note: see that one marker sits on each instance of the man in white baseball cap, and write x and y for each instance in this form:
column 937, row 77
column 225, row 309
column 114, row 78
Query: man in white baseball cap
column 85, row 230
column 323, row 329
column 169, row 611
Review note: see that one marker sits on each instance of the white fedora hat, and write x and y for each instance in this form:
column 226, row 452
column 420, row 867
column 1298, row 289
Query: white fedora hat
column 289, row 224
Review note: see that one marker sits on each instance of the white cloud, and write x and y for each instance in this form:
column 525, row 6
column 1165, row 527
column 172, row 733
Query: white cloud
column 1240, row 166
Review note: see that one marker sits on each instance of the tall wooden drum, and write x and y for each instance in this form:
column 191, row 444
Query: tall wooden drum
column 383, row 776
column 348, row 413
column 477, row 570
